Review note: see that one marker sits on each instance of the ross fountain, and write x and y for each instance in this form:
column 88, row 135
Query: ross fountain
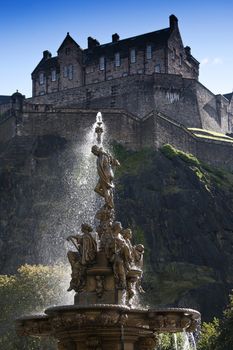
column 106, row 273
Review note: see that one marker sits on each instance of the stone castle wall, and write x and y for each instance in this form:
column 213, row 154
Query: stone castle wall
column 131, row 107
column 217, row 153
column 152, row 131
column 184, row 100
column 7, row 123
column 7, row 129
column 73, row 123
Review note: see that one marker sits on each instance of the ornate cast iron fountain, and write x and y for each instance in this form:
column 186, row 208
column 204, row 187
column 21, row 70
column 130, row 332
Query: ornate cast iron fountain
column 106, row 275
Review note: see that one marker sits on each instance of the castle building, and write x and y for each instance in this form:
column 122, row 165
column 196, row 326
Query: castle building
column 146, row 86
column 161, row 52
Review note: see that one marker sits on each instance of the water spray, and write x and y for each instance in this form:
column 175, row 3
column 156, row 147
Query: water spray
column 99, row 127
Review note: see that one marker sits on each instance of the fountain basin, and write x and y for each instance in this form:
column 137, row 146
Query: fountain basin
column 73, row 321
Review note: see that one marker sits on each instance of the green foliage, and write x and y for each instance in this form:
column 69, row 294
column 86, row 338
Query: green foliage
column 30, row 290
column 171, row 152
column 206, row 173
column 209, row 334
column 218, row 334
column 224, row 340
column 131, row 161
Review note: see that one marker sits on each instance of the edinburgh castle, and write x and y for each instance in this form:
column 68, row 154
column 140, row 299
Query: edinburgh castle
column 148, row 90
column 146, row 86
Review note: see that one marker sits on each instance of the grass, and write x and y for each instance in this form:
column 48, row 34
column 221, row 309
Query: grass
column 132, row 162
column 214, row 138
column 171, row 152
column 206, row 173
column 212, row 135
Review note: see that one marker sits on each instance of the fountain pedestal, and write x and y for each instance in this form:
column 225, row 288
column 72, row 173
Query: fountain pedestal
column 100, row 286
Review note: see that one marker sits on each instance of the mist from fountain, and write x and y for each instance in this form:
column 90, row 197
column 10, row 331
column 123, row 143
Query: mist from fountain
column 79, row 203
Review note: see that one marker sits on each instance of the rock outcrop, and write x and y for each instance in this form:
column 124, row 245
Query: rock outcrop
column 180, row 208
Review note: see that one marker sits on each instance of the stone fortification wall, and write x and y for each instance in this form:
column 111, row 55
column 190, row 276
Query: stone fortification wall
column 184, row 100
column 217, row 153
column 7, row 123
column 5, row 111
column 72, row 123
column 7, row 129
column 154, row 130
column 213, row 109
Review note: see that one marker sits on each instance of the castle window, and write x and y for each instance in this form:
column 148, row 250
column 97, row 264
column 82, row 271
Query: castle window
column 148, row 52
column 102, row 63
column 157, row 68
column 173, row 53
column 70, row 72
column 132, row 56
column 117, row 59
column 41, row 78
column 65, row 72
column 68, row 50
column 181, row 59
column 53, row 75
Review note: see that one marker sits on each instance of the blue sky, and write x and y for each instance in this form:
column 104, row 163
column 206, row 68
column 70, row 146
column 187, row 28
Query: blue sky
column 28, row 27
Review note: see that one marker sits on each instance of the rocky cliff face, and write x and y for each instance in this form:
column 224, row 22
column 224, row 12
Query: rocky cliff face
column 180, row 209
column 183, row 210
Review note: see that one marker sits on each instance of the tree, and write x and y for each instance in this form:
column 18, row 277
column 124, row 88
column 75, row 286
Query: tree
column 209, row 334
column 224, row 340
column 32, row 289
column 218, row 334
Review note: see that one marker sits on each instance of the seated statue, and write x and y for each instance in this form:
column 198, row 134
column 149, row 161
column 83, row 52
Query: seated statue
column 136, row 252
column 85, row 256
column 118, row 253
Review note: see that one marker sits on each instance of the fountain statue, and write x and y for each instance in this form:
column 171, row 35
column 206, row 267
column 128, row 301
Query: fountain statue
column 106, row 273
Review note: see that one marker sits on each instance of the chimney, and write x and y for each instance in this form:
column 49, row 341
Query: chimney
column 92, row 42
column 46, row 55
column 173, row 20
column 115, row 38
column 188, row 50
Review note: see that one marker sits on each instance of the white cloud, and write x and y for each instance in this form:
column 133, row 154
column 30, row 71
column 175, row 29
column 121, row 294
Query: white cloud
column 217, row 60
column 205, row 61
column 214, row 61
